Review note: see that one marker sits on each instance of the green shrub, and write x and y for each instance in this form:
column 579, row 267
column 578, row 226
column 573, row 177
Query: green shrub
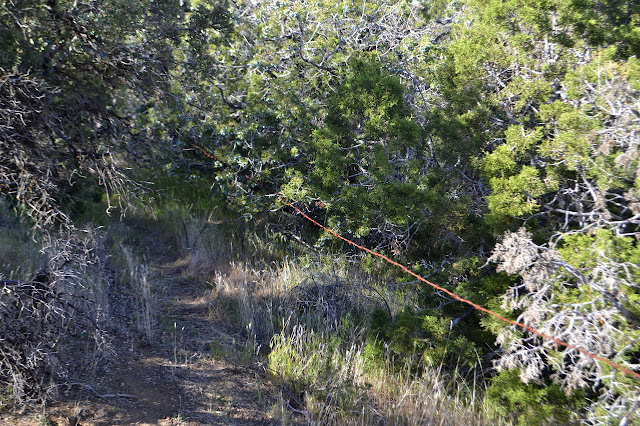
column 427, row 336
column 532, row 404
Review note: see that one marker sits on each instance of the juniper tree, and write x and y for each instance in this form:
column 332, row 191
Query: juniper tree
column 560, row 141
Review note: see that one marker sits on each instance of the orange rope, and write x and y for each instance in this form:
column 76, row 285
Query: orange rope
column 461, row 299
column 453, row 295
column 203, row 151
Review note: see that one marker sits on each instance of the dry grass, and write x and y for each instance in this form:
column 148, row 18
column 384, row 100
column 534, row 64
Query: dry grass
column 333, row 380
column 310, row 314
column 138, row 275
column 307, row 314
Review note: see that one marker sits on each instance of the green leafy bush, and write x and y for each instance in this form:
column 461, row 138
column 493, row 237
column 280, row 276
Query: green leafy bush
column 532, row 404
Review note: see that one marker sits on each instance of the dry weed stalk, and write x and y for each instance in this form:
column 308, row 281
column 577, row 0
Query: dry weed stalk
column 138, row 274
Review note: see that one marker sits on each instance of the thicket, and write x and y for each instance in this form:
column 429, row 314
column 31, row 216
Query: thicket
column 489, row 145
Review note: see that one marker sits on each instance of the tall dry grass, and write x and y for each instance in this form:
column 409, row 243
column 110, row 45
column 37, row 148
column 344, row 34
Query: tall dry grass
column 137, row 274
column 339, row 381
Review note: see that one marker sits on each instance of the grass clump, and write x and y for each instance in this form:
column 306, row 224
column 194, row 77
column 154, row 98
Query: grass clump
column 336, row 381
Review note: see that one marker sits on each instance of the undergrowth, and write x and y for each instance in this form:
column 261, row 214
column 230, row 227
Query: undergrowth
column 57, row 300
column 310, row 316
column 314, row 320
column 53, row 305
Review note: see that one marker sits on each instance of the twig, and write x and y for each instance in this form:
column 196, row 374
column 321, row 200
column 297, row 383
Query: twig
column 98, row 394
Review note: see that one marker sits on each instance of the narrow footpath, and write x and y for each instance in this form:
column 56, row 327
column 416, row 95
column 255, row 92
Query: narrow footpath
column 193, row 371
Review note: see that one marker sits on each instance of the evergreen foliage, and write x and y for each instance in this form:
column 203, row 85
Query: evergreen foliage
column 492, row 145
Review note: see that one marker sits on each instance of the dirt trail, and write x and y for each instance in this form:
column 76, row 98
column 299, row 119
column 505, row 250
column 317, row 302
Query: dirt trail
column 192, row 373
column 180, row 380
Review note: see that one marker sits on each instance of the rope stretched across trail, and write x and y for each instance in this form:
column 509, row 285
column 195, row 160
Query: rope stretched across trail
column 462, row 299
column 450, row 293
